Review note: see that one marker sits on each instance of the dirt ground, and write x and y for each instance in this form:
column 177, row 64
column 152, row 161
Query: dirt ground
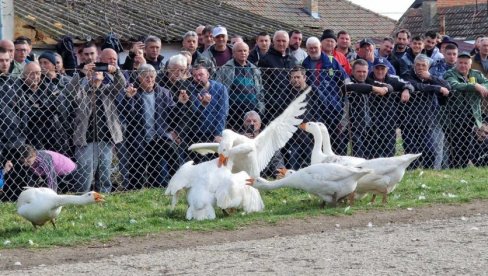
column 245, row 250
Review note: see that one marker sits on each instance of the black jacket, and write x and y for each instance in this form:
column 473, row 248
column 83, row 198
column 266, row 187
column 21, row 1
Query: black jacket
column 275, row 80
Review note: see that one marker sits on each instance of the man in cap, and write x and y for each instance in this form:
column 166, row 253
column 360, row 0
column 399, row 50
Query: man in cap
column 220, row 52
column 469, row 87
column 384, row 107
column 329, row 43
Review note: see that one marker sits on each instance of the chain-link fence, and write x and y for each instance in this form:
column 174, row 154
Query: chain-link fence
column 120, row 131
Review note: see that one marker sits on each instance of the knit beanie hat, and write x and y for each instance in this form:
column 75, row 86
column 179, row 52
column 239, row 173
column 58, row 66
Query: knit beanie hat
column 328, row 34
column 49, row 56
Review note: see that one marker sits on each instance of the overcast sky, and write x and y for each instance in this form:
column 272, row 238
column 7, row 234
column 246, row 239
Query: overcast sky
column 390, row 8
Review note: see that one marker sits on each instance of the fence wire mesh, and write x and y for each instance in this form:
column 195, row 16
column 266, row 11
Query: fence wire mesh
column 129, row 130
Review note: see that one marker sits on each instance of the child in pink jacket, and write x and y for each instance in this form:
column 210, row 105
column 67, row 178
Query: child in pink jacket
column 45, row 163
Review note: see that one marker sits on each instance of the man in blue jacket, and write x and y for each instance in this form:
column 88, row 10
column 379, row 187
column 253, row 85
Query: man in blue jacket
column 327, row 76
column 214, row 102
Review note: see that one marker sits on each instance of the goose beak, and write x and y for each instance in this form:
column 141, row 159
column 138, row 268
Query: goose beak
column 250, row 181
column 303, row 126
column 281, row 172
column 98, row 197
column 222, row 160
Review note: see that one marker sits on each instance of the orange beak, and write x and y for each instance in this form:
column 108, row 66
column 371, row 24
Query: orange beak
column 250, row 181
column 281, row 172
column 303, row 126
column 98, row 197
column 222, row 160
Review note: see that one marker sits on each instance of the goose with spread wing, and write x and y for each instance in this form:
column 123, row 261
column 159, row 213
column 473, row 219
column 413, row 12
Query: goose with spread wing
column 253, row 155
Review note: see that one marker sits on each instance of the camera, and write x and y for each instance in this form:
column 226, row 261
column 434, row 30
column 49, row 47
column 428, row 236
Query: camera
column 250, row 129
column 101, row 67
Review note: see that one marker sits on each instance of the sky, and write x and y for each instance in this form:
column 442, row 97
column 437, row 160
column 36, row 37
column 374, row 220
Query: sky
column 390, row 8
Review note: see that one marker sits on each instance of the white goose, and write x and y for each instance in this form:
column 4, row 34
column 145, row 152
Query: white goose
column 322, row 150
column 40, row 205
column 253, row 155
column 329, row 181
column 386, row 174
column 209, row 185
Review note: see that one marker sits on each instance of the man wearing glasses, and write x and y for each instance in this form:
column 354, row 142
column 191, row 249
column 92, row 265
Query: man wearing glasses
column 22, row 56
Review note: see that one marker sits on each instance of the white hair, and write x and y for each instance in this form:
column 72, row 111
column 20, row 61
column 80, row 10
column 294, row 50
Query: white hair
column 144, row 69
column 178, row 59
column 285, row 33
column 312, row 40
column 423, row 58
column 252, row 113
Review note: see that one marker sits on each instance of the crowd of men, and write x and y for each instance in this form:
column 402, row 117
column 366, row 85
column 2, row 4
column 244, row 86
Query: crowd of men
column 147, row 109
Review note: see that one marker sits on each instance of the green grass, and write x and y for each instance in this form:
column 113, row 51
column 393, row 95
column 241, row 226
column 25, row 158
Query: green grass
column 147, row 211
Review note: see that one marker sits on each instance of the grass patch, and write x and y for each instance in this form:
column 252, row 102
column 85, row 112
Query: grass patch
column 147, row 211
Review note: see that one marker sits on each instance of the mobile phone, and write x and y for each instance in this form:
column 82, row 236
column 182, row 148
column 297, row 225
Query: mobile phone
column 250, row 129
column 101, row 67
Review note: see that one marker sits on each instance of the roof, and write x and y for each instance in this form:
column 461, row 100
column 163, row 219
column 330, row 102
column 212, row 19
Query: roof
column 334, row 14
column 168, row 19
column 462, row 22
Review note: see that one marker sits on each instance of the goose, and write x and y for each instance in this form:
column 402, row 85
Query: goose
column 40, row 205
column 322, row 150
column 327, row 180
column 386, row 173
column 236, row 194
column 208, row 186
column 253, row 155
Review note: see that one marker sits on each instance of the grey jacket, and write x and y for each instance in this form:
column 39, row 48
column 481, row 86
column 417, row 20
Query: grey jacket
column 83, row 96
column 226, row 76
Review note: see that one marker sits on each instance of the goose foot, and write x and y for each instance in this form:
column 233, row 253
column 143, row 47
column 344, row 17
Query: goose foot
column 53, row 222
column 384, row 200
column 322, row 204
column 373, row 199
column 351, row 198
column 334, row 200
column 229, row 211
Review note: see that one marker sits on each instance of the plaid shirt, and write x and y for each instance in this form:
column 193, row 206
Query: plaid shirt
column 44, row 166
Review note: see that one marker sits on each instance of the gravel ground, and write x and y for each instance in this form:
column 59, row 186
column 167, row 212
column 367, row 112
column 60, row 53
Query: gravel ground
column 452, row 246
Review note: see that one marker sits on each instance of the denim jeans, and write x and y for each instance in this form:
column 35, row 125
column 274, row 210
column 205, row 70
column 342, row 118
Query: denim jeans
column 90, row 158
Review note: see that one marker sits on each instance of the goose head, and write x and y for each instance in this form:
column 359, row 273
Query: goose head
column 250, row 181
column 283, row 172
column 310, row 127
column 93, row 197
column 225, row 145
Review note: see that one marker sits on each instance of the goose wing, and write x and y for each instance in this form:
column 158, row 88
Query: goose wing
column 279, row 131
column 204, row 148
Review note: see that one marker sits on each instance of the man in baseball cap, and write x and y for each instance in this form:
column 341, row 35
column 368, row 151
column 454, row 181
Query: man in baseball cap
column 220, row 52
